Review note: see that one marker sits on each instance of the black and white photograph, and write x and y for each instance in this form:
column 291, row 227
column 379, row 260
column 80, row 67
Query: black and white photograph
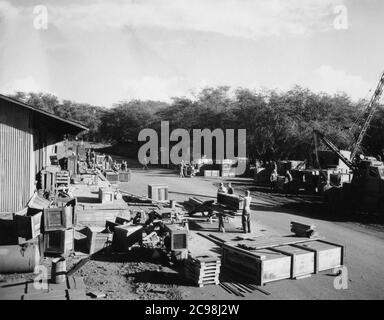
column 193, row 155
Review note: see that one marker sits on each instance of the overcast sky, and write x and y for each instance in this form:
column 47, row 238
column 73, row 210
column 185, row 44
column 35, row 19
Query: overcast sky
column 101, row 52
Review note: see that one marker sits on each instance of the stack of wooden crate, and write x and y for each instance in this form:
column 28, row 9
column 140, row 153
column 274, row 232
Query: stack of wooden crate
column 211, row 173
column 203, row 270
column 277, row 258
column 62, row 181
column 58, row 230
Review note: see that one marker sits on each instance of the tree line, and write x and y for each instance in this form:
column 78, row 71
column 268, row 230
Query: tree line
column 279, row 124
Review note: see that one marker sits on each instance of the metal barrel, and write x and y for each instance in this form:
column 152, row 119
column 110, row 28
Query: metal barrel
column 19, row 258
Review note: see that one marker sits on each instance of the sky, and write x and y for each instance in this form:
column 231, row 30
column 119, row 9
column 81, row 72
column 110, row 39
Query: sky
column 103, row 52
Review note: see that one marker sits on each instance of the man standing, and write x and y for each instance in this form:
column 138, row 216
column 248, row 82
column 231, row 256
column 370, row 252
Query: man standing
column 230, row 189
column 220, row 216
column 246, row 216
column 145, row 163
column 181, row 173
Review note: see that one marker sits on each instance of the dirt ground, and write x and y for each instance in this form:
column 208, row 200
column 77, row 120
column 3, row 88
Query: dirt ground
column 363, row 238
column 141, row 274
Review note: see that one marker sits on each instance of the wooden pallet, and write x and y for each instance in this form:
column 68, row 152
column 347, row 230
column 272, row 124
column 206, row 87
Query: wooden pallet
column 203, row 270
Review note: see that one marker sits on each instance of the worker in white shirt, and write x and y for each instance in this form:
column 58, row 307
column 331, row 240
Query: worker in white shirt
column 246, row 216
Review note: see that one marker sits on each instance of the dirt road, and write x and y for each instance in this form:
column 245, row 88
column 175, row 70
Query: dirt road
column 364, row 246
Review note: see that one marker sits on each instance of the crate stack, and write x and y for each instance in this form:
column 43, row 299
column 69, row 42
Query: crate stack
column 203, row 270
column 58, row 230
column 62, row 180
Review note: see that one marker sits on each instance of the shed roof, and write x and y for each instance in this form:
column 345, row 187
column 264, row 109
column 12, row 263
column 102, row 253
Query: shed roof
column 71, row 126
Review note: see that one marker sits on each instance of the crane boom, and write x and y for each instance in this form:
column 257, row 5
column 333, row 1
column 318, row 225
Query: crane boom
column 372, row 107
column 336, row 150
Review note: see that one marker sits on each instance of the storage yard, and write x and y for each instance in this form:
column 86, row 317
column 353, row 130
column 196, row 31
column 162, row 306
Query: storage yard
column 133, row 264
column 80, row 224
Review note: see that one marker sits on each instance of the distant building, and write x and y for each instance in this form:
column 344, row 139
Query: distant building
column 27, row 139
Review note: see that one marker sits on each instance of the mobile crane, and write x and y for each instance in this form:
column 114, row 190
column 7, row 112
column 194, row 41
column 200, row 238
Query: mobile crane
column 366, row 190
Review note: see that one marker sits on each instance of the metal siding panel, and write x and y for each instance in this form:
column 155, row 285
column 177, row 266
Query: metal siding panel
column 15, row 157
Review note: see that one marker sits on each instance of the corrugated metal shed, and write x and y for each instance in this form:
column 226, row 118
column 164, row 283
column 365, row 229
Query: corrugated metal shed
column 15, row 159
column 27, row 136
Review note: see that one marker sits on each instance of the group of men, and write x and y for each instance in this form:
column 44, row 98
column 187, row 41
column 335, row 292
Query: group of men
column 246, row 213
column 107, row 162
column 186, row 170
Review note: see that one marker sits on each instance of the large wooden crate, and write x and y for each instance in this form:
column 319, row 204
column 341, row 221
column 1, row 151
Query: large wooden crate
column 111, row 176
column 97, row 239
column 179, row 236
column 259, row 266
column 28, row 224
column 58, row 218
column 302, row 262
column 125, row 176
column 207, row 173
column 230, row 200
column 59, row 242
column 106, row 195
column 328, row 255
column 158, row 192
column 126, row 236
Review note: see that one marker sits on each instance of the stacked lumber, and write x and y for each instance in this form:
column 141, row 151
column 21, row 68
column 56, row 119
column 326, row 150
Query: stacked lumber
column 204, row 270
column 303, row 230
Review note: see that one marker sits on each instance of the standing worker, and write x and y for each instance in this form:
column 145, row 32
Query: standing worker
column 288, row 181
column 220, row 216
column 230, row 189
column 273, row 180
column 181, row 173
column 145, row 163
column 246, row 216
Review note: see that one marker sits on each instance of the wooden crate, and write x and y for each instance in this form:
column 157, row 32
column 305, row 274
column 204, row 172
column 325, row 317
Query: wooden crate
column 59, row 242
column 62, row 180
column 328, row 255
column 58, row 218
column 124, row 176
column 126, row 236
column 28, row 224
column 215, row 173
column 179, row 236
column 97, row 239
column 230, row 200
column 158, row 192
column 207, row 173
column 106, row 195
column 37, row 202
column 302, row 262
column 259, row 266
column 112, row 176
column 8, row 232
